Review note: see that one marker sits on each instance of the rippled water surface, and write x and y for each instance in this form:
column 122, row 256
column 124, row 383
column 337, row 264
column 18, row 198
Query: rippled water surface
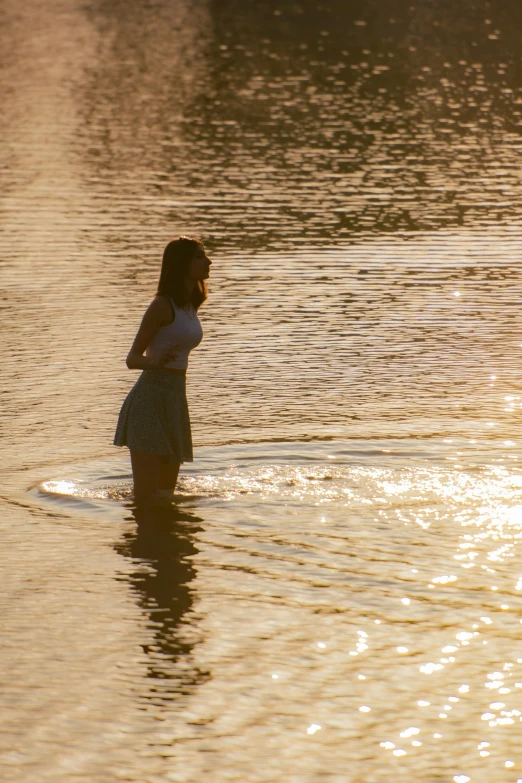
column 334, row 592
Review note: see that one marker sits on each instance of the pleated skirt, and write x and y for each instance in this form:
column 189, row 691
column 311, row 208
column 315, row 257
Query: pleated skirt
column 154, row 417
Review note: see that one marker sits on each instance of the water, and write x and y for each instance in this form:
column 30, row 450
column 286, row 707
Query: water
column 337, row 578
column 345, row 604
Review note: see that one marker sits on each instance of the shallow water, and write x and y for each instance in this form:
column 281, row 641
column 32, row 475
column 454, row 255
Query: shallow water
column 334, row 592
column 349, row 605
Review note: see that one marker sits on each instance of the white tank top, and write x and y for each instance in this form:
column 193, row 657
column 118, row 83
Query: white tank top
column 185, row 331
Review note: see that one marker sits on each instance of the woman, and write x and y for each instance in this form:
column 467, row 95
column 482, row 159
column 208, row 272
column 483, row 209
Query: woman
column 154, row 419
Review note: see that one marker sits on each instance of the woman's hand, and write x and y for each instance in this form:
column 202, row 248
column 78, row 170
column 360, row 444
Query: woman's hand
column 168, row 354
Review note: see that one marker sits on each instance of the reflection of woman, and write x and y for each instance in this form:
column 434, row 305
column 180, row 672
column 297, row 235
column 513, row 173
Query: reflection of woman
column 154, row 419
column 162, row 549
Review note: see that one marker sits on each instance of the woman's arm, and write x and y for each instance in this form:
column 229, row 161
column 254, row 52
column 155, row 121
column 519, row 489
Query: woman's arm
column 158, row 314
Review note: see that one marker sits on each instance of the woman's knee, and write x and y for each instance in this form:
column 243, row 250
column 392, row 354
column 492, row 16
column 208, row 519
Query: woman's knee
column 168, row 475
column 145, row 468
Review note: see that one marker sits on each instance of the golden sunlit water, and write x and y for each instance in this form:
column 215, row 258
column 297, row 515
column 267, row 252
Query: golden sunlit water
column 334, row 593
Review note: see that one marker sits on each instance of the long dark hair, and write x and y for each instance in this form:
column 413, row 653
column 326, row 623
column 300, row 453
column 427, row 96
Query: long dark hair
column 176, row 258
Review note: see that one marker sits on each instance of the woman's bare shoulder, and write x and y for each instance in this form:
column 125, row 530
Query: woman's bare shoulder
column 160, row 310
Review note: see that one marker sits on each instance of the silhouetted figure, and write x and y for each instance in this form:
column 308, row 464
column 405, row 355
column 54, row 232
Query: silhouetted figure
column 154, row 420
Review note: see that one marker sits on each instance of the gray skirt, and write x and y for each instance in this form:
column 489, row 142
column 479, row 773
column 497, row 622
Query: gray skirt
column 154, row 417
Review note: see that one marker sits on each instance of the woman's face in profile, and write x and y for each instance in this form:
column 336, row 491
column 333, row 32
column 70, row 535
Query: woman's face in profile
column 199, row 265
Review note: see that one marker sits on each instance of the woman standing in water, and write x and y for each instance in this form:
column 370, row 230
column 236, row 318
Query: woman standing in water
column 154, row 419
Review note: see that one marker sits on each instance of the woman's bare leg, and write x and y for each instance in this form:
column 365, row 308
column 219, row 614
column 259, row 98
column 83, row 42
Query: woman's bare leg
column 168, row 474
column 146, row 472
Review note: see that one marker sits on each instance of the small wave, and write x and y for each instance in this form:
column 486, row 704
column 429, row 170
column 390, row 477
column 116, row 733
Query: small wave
column 354, row 473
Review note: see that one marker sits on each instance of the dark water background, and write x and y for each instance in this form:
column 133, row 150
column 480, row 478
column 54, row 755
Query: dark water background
column 354, row 171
